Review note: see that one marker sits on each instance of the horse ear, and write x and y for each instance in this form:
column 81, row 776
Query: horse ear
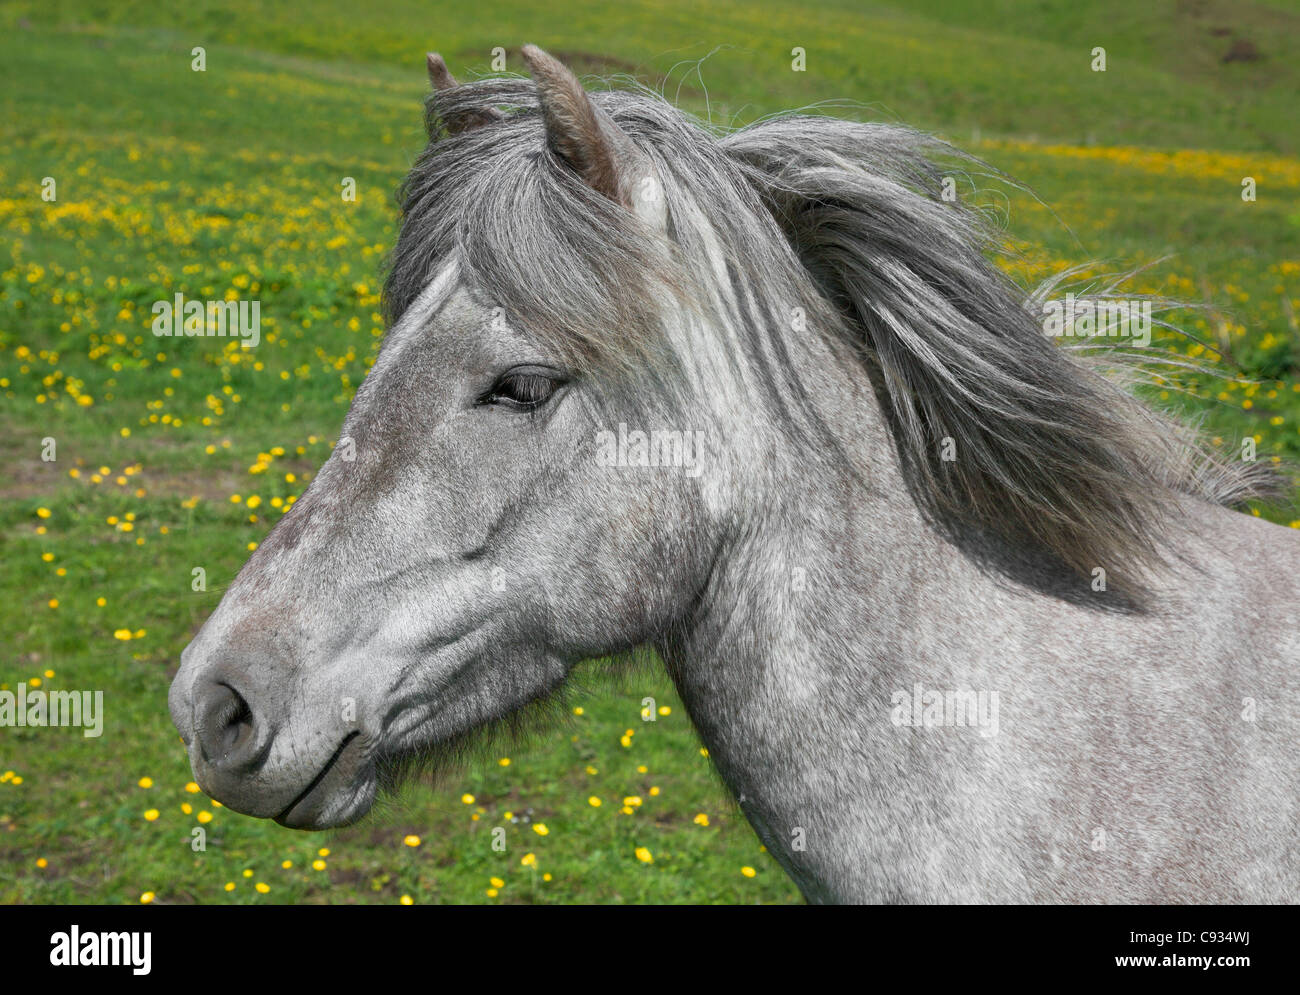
column 457, row 121
column 581, row 133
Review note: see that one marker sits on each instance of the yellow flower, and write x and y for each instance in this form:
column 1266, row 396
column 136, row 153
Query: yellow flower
column 644, row 855
column 540, row 828
column 318, row 865
column 323, row 852
column 146, row 898
column 504, row 761
column 230, row 886
column 43, row 512
column 151, row 815
column 412, row 840
column 496, row 882
column 407, row 900
column 204, row 816
column 286, row 864
column 145, row 782
column 122, row 634
column 467, row 798
column 42, row 862
column 491, row 893
column 749, row 872
column 594, row 802
column 529, row 860
column 701, row 819
column 192, row 788
column 262, row 888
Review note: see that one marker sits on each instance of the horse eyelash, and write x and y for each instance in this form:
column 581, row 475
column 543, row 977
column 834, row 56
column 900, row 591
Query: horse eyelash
column 531, row 390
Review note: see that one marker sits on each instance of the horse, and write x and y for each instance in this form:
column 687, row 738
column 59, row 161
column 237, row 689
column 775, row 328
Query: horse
column 957, row 616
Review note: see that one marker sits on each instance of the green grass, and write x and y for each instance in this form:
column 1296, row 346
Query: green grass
column 227, row 181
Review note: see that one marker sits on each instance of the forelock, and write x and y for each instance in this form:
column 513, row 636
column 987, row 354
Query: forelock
column 580, row 273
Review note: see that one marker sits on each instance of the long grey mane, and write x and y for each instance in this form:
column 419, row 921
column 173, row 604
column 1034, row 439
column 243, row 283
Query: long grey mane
column 847, row 222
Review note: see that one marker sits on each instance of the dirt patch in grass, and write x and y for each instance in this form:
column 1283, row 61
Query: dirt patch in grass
column 587, row 63
column 210, row 477
column 26, row 475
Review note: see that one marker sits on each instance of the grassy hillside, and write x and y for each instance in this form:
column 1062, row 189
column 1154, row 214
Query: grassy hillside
column 226, row 183
column 1011, row 66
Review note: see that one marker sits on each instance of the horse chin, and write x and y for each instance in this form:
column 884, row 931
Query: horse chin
column 342, row 793
column 329, row 812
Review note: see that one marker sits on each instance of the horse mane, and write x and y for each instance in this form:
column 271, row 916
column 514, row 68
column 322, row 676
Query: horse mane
column 848, row 217
column 1048, row 447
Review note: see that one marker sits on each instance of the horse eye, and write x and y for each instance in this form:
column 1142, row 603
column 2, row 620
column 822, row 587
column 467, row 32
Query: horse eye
column 522, row 389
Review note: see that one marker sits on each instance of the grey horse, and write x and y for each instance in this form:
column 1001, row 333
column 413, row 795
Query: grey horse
column 958, row 618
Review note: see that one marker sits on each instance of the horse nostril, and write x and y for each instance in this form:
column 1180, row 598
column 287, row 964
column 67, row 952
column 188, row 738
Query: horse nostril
column 225, row 726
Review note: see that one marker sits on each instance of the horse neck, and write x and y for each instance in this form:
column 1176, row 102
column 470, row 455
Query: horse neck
column 791, row 639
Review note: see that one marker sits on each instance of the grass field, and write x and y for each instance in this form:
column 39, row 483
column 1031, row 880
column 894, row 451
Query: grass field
column 226, row 183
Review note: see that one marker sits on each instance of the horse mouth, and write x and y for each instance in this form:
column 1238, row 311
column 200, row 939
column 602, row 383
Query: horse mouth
column 333, row 797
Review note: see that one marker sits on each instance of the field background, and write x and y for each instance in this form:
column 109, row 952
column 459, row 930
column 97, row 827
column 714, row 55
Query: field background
column 226, row 183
